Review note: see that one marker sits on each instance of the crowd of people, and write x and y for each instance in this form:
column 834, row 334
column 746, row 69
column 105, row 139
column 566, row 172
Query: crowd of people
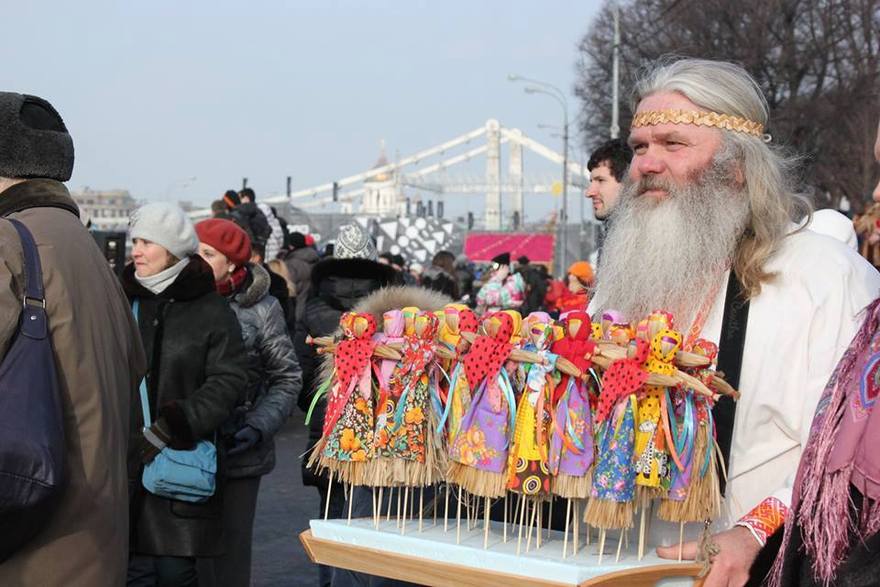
column 203, row 346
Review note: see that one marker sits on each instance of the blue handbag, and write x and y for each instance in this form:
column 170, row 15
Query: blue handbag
column 32, row 439
column 184, row 475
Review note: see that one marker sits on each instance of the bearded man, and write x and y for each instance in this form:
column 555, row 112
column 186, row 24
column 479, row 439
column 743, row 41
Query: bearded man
column 704, row 229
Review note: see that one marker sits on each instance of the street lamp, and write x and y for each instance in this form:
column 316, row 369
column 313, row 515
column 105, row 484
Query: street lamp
column 540, row 87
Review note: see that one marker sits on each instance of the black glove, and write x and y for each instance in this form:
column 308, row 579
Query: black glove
column 153, row 440
column 245, row 439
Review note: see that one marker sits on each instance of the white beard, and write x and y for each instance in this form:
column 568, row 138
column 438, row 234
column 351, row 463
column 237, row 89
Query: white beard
column 671, row 254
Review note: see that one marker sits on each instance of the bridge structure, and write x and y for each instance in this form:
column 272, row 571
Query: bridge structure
column 447, row 169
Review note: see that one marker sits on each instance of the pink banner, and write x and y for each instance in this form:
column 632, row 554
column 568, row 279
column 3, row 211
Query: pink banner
column 482, row 246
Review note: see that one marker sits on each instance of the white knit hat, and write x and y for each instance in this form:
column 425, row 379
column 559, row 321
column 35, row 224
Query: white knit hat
column 166, row 225
column 353, row 243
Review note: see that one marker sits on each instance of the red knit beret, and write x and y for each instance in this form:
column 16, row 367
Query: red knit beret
column 227, row 237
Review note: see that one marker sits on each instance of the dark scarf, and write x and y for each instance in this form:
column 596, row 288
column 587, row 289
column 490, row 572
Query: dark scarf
column 36, row 193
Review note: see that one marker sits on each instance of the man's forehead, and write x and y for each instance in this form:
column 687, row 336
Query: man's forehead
column 603, row 168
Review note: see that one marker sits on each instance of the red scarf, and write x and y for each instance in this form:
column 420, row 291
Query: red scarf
column 233, row 283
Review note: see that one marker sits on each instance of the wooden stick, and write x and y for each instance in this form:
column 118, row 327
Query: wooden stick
column 642, row 521
column 350, row 502
column 412, row 504
column 398, row 505
column 520, row 506
column 601, row 544
column 486, row 524
column 567, row 520
column 422, row 505
column 390, row 504
column 329, row 489
column 379, row 514
column 549, row 518
column 532, row 524
column 619, row 544
column 405, row 497
column 505, row 517
column 436, row 492
column 680, row 540
column 446, row 511
column 458, row 524
column 577, row 528
column 374, row 504
column 539, row 529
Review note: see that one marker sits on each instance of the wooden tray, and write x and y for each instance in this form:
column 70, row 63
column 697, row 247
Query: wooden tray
column 429, row 572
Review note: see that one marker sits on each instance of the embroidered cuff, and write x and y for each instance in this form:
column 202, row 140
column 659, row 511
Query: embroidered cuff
column 764, row 519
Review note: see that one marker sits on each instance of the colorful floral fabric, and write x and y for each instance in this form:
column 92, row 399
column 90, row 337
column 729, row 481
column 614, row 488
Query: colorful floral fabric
column 614, row 476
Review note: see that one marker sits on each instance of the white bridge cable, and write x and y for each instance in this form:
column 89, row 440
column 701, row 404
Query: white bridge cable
column 410, row 179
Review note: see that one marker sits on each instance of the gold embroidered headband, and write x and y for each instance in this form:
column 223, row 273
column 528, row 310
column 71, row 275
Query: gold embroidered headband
column 722, row 121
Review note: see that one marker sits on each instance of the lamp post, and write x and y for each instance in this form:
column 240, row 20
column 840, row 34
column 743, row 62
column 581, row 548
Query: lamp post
column 539, row 87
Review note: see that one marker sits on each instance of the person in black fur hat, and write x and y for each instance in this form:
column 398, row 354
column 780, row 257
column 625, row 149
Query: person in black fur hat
column 82, row 540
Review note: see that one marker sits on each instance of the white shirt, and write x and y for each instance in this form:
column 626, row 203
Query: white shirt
column 799, row 327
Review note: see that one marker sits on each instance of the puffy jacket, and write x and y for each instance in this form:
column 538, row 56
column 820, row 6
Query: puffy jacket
column 338, row 285
column 275, row 241
column 300, row 263
column 253, row 221
column 196, row 372
column 274, row 376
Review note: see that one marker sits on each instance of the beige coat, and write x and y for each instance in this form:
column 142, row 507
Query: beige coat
column 100, row 361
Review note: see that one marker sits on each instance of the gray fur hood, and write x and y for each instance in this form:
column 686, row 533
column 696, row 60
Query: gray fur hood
column 256, row 289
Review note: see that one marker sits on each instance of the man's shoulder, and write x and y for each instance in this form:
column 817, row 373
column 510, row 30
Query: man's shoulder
column 811, row 259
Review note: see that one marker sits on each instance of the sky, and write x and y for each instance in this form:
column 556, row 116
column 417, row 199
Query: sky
column 179, row 100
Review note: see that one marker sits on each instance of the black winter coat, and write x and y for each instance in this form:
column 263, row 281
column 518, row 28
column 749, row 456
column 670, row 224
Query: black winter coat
column 274, row 376
column 196, row 372
column 253, row 221
column 337, row 286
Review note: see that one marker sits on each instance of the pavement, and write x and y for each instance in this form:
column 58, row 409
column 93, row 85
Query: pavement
column 284, row 508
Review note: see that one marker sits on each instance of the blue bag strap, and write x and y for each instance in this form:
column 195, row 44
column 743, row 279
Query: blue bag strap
column 34, row 320
column 145, row 402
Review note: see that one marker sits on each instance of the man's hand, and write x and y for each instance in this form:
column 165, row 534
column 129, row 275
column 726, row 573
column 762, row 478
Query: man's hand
column 730, row 567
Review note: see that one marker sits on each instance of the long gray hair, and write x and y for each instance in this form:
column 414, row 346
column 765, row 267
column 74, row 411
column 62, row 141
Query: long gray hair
column 767, row 172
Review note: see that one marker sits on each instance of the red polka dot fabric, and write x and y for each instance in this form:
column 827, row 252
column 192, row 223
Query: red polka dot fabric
column 488, row 354
column 622, row 378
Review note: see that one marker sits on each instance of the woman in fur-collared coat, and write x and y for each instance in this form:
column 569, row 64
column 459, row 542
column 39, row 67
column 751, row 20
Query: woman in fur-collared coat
column 196, row 371
column 274, row 381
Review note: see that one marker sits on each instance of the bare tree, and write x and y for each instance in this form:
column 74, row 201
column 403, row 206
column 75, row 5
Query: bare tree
column 817, row 61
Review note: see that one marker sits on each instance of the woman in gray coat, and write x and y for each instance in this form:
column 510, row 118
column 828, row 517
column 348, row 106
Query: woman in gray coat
column 274, row 381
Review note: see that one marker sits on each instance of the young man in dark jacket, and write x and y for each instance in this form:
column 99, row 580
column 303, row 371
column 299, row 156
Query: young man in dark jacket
column 338, row 284
column 249, row 217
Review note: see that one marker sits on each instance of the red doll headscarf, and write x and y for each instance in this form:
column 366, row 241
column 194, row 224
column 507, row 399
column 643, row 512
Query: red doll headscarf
column 622, row 378
column 577, row 348
column 488, row 353
column 467, row 321
column 351, row 358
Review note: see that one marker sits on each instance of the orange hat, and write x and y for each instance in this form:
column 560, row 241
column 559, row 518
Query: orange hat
column 582, row 270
